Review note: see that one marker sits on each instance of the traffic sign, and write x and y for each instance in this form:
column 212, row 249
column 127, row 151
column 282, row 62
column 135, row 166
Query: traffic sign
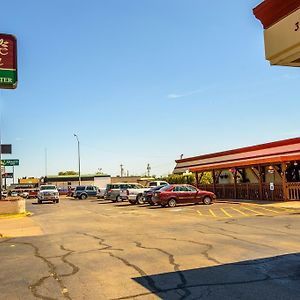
column 8, row 61
column 9, row 162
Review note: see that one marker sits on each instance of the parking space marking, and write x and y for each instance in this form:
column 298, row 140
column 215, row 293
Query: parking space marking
column 226, row 213
column 212, row 213
column 255, row 211
column 274, row 211
column 239, row 211
column 242, row 211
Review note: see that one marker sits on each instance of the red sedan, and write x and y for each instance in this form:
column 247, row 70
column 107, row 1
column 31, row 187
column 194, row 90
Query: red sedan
column 174, row 194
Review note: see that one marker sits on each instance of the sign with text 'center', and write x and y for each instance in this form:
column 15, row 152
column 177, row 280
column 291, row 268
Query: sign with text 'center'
column 8, row 61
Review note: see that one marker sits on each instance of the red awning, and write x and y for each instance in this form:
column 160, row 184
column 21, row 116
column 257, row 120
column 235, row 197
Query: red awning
column 270, row 153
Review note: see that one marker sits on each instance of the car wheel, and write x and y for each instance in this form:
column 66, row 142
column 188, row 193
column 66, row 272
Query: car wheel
column 57, row 201
column 140, row 199
column 83, row 196
column 118, row 199
column 39, row 201
column 207, row 200
column 172, row 203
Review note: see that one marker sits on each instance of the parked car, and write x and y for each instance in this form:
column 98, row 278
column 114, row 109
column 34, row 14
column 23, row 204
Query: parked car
column 101, row 193
column 113, row 190
column 147, row 197
column 85, row 191
column 4, row 194
column 133, row 193
column 156, row 183
column 32, row 193
column 48, row 193
column 24, row 194
column 174, row 194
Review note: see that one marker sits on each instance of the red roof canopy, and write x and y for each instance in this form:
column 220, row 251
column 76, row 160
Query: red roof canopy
column 270, row 12
column 275, row 152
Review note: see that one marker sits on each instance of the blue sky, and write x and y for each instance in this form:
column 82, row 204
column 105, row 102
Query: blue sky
column 140, row 81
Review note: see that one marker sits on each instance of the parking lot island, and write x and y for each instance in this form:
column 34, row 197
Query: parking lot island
column 12, row 205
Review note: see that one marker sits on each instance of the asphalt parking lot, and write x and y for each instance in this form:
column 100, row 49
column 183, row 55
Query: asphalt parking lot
column 93, row 249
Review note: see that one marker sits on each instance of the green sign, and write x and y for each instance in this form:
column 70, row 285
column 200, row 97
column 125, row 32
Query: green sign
column 9, row 162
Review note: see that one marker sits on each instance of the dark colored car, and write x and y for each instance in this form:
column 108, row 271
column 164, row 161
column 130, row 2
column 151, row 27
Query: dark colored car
column 85, row 191
column 174, row 194
column 149, row 194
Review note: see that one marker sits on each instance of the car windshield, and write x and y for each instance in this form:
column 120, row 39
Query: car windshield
column 48, row 187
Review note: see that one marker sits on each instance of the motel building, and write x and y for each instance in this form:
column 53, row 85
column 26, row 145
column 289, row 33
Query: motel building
column 268, row 171
column 281, row 22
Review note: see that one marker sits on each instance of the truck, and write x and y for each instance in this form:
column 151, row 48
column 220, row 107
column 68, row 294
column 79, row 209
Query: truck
column 136, row 195
column 48, row 193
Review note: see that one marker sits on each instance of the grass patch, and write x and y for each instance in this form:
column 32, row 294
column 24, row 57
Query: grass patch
column 15, row 216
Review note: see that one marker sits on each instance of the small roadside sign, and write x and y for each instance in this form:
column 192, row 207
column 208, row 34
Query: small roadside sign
column 5, row 148
column 8, row 175
column 8, row 61
column 9, row 162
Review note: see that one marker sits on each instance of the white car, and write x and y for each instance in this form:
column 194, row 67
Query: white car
column 134, row 194
column 48, row 193
column 153, row 184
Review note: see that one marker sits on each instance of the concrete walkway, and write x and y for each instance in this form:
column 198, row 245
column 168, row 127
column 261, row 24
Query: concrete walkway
column 18, row 227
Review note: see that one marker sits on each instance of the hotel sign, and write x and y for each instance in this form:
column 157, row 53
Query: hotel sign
column 8, row 61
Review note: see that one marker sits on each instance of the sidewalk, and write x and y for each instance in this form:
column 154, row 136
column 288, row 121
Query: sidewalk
column 283, row 204
column 18, row 227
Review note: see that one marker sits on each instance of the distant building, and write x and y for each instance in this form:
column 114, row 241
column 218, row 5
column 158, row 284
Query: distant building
column 65, row 181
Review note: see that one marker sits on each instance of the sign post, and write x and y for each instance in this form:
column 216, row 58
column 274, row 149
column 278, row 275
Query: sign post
column 8, row 75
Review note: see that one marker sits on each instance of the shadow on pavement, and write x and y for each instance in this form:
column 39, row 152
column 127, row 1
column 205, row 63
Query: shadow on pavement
column 275, row 277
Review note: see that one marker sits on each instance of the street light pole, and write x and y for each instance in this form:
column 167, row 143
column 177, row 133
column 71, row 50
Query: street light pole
column 78, row 151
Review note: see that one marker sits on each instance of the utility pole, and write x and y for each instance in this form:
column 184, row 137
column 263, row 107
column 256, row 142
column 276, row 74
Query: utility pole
column 46, row 162
column 148, row 170
column 78, row 152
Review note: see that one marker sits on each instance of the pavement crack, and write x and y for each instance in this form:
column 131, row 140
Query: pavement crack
column 52, row 273
column 175, row 265
column 75, row 269
column 205, row 253
column 101, row 242
column 108, row 251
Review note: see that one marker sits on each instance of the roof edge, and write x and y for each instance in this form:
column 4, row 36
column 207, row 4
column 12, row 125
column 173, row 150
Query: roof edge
column 285, row 142
column 270, row 12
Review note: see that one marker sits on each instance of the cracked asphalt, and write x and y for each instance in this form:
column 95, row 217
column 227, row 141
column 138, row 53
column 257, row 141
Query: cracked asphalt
column 94, row 249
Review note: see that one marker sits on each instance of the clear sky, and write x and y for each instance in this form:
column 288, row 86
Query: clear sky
column 140, row 81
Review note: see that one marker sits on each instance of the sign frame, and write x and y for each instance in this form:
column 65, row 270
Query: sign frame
column 8, row 73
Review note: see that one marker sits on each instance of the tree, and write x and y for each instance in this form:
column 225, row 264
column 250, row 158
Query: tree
column 190, row 179
column 64, row 173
